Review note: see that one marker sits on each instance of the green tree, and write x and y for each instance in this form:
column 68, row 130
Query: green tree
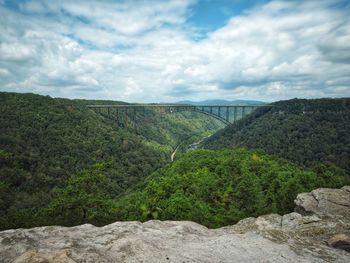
column 83, row 200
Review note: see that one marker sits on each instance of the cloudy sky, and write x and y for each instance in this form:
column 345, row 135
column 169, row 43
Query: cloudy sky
column 158, row 50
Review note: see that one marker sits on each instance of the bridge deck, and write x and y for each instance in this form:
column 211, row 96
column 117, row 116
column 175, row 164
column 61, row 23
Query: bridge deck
column 223, row 113
column 170, row 105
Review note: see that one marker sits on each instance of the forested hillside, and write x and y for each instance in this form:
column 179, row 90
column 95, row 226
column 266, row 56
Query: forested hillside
column 45, row 141
column 63, row 163
column 303, row 131
column 218, row 188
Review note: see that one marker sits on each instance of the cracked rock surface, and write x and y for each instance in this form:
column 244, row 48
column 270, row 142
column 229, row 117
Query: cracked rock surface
column 325, row 202
column 317, row 233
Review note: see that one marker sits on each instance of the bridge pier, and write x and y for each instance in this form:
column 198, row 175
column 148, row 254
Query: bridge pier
column 227, row 114
column 235, row 114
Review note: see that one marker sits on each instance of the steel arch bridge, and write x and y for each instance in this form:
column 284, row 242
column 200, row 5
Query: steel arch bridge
column 227, row 114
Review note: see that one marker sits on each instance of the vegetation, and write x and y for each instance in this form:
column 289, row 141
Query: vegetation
column 218, row 188
column 304, row 131
column 63, row 163
column 85, row 199
column 44, row 141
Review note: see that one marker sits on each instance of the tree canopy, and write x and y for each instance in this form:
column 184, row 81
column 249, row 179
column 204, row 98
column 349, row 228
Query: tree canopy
column 306, row 132
column 218, row 188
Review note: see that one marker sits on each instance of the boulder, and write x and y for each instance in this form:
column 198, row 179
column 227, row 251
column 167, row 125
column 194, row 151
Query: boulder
column 324, row 202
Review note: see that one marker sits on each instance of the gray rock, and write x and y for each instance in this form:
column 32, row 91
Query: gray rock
column 306, row 204
column 346, row 188
column 261, row 223
column 341, row 241
column 153, row 241
column 325, row 202
column 295, row 220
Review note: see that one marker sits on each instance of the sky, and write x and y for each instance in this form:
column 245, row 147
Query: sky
column 167, row 51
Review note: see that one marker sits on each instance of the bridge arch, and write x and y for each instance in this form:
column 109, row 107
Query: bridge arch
column 219, row 118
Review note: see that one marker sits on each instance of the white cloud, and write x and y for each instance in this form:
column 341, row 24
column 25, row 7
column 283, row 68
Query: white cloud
column 15, row 52
column 141, row 51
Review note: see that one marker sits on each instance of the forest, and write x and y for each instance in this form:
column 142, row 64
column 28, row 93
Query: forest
column 218, row 188
column 306, row 132
column 44, row 141
column 62, row 163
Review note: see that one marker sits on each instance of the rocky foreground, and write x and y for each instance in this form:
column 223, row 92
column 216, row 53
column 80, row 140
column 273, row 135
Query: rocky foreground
column 319, row 231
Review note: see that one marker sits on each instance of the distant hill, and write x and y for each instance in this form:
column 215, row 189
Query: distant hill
column 222, row 102
column 304, row 131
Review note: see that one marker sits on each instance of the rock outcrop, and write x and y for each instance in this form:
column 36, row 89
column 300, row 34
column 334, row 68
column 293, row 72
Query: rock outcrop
column 317, row 232
column 325, row 202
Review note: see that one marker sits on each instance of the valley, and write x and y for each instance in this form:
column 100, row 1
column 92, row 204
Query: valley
column 45, row 141
column 63, row 163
